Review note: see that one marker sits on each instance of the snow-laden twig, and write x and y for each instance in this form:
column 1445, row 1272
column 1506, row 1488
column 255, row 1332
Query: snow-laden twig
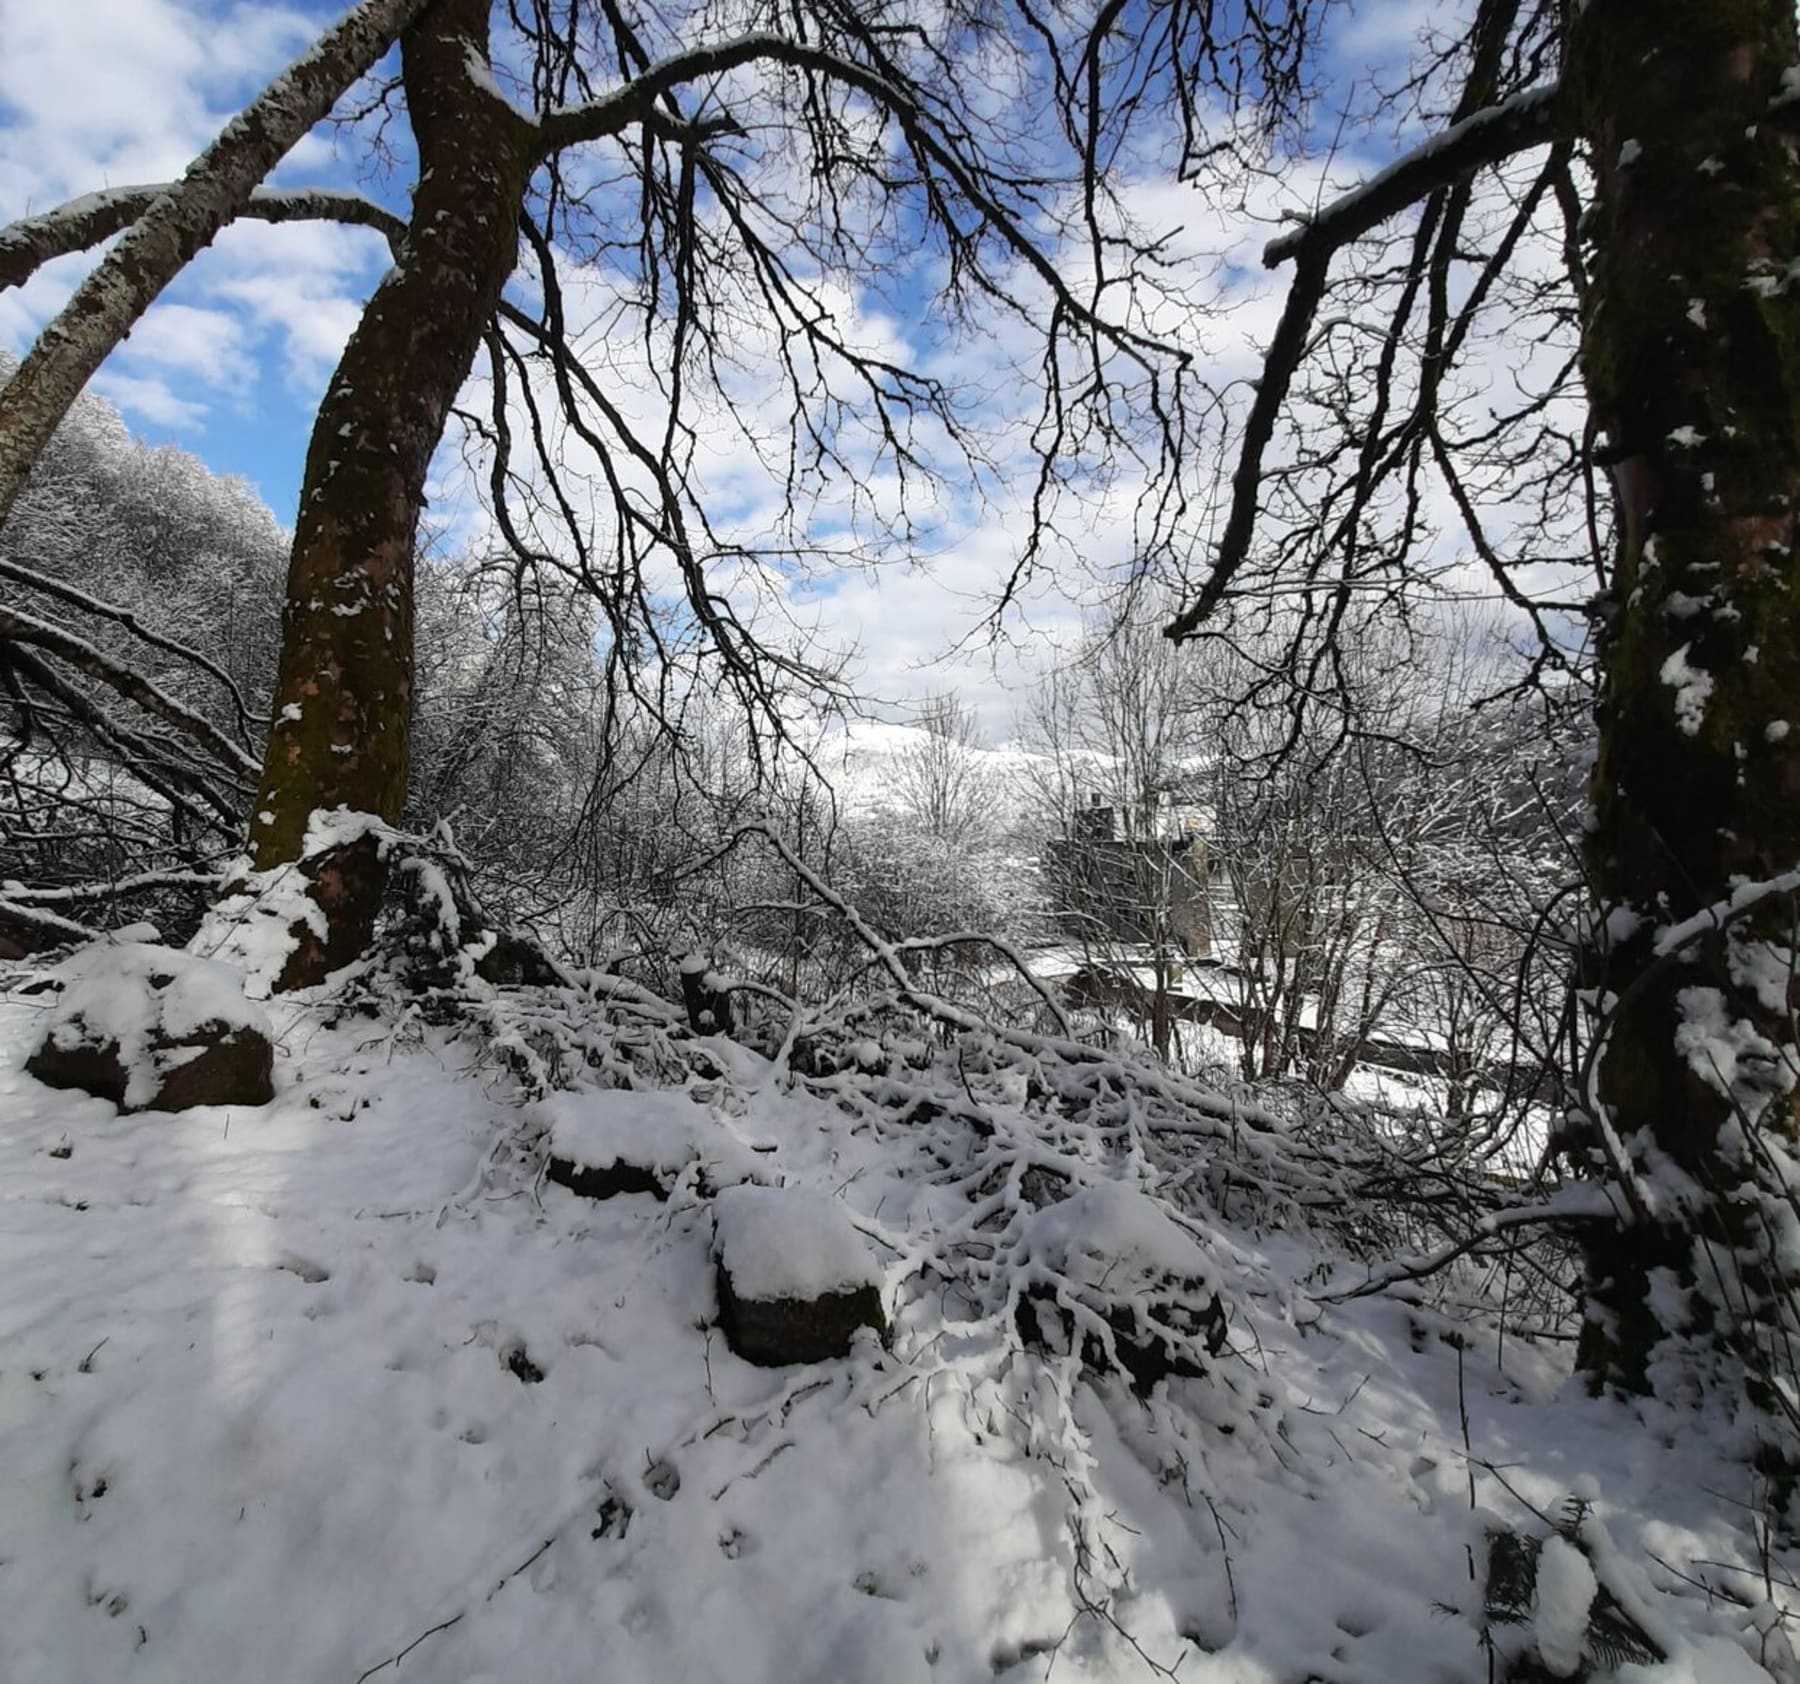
column 1585, row 1202
column 63, row 929
column 1746, row 897
column 18, row 895
column 1531, row 117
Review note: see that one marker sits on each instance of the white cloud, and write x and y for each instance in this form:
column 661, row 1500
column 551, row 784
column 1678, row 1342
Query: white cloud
column 108, row 92
column 313, row 319
column 149, row 399
column 208, row 345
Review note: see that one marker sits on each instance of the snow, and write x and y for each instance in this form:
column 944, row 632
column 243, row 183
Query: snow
column 1729, row 1054
column 1111, row 1230
column 1565, row 1591
column 1692, row 686
column 137, row 995
column 251, row 927
column 292, row 1393
column 660, row 1132
column 863, row 759
column 785, row 1242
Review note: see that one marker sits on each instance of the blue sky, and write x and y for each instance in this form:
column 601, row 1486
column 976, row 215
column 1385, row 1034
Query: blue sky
column 113, row 92
column 231, row 364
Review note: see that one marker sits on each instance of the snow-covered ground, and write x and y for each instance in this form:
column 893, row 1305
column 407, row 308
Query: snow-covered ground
column 341, row 1388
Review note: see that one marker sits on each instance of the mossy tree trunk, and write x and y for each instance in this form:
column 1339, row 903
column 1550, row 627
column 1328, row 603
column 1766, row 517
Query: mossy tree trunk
column 344, row 690
column 1691, row 349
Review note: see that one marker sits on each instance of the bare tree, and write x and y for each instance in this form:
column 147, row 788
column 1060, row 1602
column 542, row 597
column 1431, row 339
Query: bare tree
column 1120, row 765
column 938, row 783
column 1614, row 187
column 691, row 122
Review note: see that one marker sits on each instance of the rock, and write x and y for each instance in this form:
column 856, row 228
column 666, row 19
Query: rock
column 1155, row 1346
column 611, row 1142
column 1122, row 1258
column 229, row 1066
column 154, row 1029
column 93, row 1066
column 607, row 1181
column 795, row 1280
column 772, row 1332
column 708, row 1005
column 515, row 960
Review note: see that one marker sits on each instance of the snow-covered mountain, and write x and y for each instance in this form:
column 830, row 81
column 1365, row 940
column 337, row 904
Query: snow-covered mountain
column 866, row 760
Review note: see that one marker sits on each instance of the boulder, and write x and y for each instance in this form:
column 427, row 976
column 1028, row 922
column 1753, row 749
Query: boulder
column 795, row 1281
column 154, row 1029
column 613, row 1141
column 514, row 959
column 1121, row 1258
column 608, row 1181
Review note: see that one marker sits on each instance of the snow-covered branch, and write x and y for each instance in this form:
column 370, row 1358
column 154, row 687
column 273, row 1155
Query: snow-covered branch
column 1585, row 1202
column 16, row 626
column 1722, row 912
column 1530, row 118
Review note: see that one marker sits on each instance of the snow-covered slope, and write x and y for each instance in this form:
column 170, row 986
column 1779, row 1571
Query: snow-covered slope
column 862, row 760
column 341, row 1389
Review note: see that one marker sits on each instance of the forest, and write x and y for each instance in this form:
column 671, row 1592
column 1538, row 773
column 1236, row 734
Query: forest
column 1002, row 881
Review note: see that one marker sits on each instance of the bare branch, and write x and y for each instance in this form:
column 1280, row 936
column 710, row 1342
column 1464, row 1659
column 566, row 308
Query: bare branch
column 180, row 223
column 31, row 242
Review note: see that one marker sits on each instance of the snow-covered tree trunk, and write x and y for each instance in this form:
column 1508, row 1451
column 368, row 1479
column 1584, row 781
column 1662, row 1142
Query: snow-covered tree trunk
column 343, row 693
column 181, row 222
column 1692, row 357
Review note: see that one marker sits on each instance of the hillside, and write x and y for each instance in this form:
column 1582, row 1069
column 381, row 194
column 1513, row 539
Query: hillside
column 343, row 1387
column 863, row 761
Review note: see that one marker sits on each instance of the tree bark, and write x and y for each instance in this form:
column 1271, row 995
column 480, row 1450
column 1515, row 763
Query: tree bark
column 344, row 689
column 1691, row 348
column 108, row 304
column 31, row 242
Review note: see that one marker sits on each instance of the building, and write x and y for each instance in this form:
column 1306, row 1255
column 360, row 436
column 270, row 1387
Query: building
column 1141, row 892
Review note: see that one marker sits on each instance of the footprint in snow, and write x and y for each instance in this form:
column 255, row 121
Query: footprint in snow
column 613, row 1518
column 516, row 1360
column 309, row 1271
column 87, row 1491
